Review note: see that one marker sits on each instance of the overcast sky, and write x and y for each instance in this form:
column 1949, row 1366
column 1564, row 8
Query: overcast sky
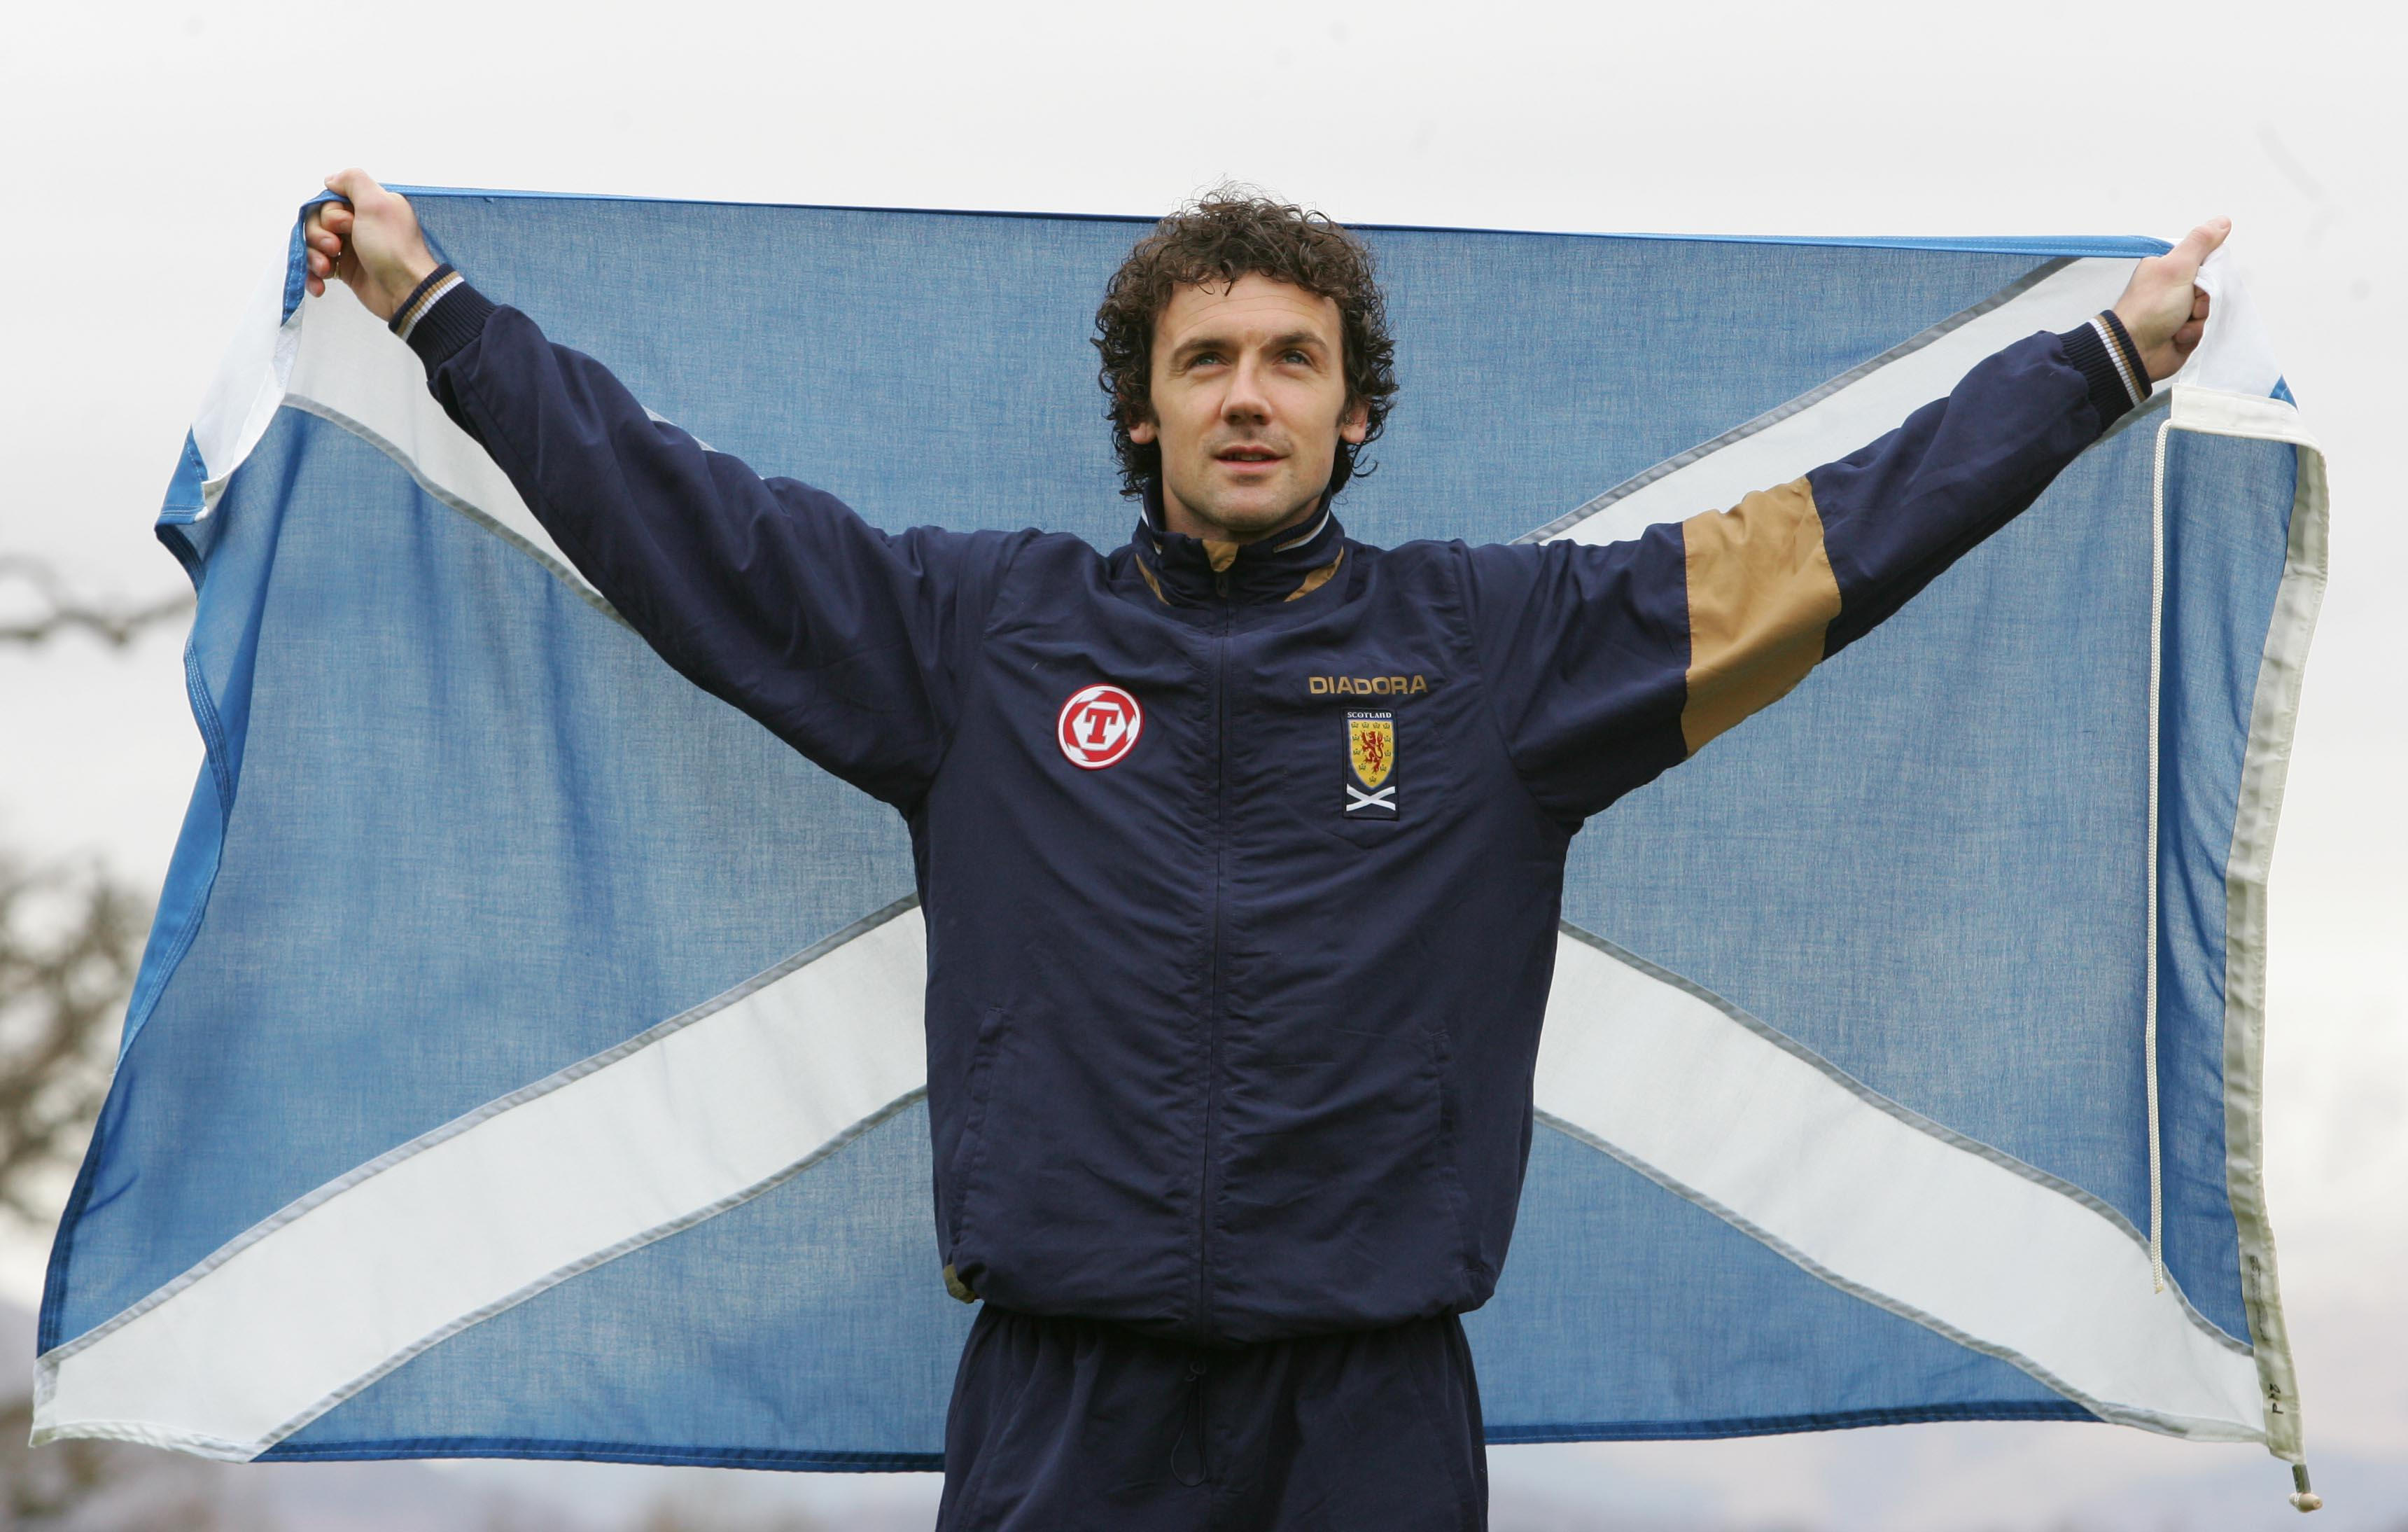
column 151, row 157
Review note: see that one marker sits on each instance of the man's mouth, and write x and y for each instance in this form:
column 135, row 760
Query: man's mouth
column 1248, row 455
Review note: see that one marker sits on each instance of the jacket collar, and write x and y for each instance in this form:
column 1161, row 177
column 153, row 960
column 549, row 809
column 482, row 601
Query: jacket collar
column 1185, row 571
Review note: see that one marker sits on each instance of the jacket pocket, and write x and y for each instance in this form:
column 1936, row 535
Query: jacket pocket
column 1447, row 1143
column 970, row 1150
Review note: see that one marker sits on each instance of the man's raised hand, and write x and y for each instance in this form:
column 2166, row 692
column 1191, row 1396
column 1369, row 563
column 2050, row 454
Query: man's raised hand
column 2164, row 309
column 373, row 246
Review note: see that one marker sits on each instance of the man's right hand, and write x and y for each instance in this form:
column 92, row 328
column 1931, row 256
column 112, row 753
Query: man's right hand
column 372, row 246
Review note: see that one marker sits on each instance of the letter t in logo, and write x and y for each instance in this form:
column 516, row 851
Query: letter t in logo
column 1097, row 726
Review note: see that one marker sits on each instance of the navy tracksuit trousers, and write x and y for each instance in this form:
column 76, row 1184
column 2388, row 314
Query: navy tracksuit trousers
column 1076, row 1426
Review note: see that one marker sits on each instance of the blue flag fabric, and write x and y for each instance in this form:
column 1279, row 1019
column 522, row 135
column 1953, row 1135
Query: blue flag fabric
column 526, row 1060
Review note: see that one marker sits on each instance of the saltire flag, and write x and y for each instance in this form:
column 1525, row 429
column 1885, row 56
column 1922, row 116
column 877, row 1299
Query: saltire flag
column 527, row 1057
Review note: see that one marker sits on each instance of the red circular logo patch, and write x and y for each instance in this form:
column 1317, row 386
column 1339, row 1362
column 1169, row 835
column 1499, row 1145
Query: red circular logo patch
column 1098, row 726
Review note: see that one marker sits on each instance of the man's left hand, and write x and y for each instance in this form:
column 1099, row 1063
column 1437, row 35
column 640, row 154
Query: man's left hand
column 2163, row 308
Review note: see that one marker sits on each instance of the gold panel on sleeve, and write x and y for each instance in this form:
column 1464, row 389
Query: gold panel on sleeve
column 1761, row 595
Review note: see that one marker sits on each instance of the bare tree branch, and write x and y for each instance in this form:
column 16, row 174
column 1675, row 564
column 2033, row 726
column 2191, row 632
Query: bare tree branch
column 70, row 941
column 114, row 625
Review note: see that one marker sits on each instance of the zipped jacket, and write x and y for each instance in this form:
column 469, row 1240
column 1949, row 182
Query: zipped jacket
column 1241, row 865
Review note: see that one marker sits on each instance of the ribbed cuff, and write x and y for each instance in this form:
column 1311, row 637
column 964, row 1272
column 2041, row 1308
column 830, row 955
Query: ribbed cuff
column 446, row 316
column 422, row 298
column 2103, row 352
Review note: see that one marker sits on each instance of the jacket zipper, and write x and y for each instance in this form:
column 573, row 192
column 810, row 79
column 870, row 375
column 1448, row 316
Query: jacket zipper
column 1212, row 956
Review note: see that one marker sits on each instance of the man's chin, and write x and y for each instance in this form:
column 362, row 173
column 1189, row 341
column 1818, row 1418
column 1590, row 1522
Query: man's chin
column 1250, row 518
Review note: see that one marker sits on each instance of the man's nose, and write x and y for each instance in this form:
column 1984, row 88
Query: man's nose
column 1247, row 400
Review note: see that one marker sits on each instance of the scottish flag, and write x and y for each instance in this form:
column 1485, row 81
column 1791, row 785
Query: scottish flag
column 527, row 1058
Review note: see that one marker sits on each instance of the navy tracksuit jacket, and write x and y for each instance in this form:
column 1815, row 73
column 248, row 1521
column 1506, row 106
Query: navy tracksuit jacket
column 1241, row 865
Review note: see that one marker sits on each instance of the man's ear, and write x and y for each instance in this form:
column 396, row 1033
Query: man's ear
column 1356, row 423
column 1142, row 431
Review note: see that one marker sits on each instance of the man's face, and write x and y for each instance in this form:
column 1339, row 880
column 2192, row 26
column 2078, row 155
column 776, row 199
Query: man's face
column 1248, row 406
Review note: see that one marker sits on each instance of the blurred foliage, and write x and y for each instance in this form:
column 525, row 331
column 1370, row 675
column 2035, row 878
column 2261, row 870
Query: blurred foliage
column 108, row 1487
column 54, row 611
column 70, row 939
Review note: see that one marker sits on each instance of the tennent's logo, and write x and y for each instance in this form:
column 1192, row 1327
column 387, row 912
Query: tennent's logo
column 1098, row 726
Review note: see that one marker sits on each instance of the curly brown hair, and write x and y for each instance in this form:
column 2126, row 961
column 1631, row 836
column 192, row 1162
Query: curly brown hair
column 1228, row 233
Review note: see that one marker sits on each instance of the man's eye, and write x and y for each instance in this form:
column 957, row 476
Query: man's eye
column 1299, row 357
column 1204, row 359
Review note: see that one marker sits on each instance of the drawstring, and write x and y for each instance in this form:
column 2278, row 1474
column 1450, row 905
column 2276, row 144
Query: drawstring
column 1191, row 1427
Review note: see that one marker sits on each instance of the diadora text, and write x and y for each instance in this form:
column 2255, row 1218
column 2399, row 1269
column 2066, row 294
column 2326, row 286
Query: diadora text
column 1366, row 685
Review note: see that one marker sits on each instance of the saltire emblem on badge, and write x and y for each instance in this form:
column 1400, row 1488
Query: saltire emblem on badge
column 1370, row 760
column 1098, row 724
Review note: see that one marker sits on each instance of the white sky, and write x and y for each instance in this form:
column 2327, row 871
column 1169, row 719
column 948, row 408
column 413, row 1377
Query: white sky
column 151, row 155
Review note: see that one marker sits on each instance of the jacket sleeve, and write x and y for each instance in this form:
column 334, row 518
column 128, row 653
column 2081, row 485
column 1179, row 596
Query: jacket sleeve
column 1607, row 665
column 847, row 642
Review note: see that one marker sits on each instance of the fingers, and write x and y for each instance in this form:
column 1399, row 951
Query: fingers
column 354, row 185
column 323, row 230
column 319, row 270
column 327, row 230
column 2186, row 336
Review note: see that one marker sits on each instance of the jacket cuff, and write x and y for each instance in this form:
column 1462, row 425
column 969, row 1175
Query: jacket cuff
column 440, row 317
column 2108, row 361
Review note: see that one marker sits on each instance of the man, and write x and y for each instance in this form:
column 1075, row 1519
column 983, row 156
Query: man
column 1223, row 1158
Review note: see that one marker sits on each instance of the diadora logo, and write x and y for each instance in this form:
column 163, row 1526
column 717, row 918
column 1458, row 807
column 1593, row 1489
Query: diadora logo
column 1370, row 763
column 1366, row 685
column 1098, row 724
